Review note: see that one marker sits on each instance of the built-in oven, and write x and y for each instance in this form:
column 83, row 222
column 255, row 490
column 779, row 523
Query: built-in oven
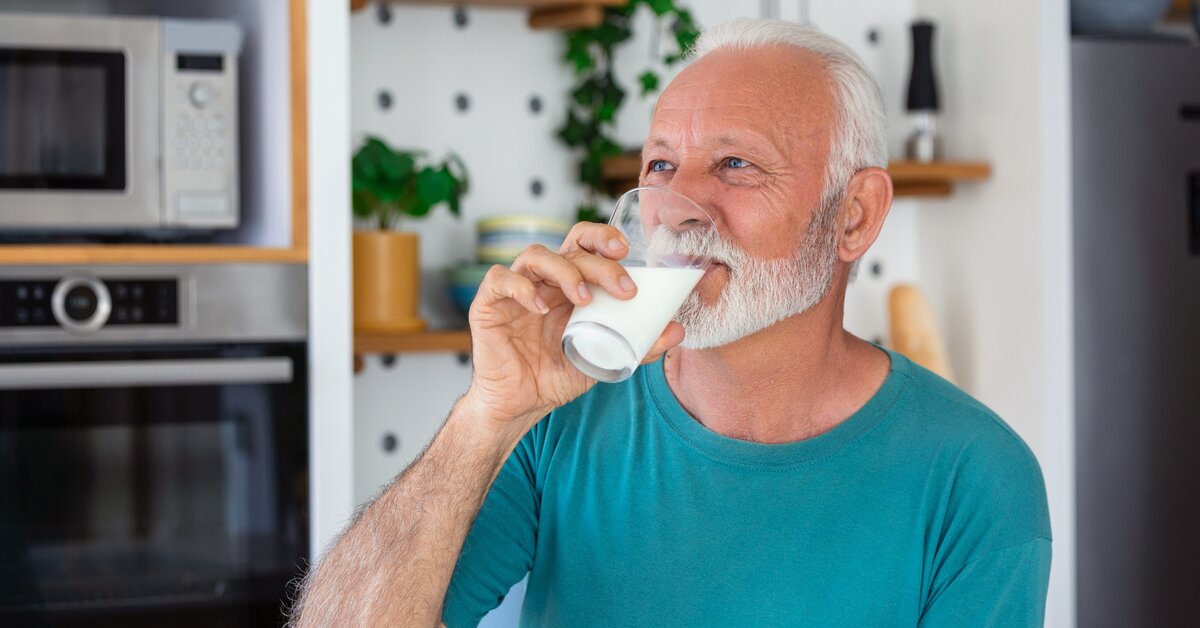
column 153, row 444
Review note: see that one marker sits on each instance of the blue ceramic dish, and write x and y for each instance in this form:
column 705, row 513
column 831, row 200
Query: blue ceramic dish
column 463, row 282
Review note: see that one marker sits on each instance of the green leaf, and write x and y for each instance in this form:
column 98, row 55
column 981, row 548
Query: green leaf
column 390, row 191
column 363, row 165
column 686, row 32
column 359, row 182
column 396, row 166
column 587, row 92
column 434, row 186
column 574, row 132
column 649, row 82
column 612, row 93
column 605, row 147
column 579, row 51
column 661, row 7
column 606, row 113
column 581, row 61
column 589, row 213
column 591, row 171
column 611, row 33
column 458, row 170
column 408, row 203
column 363, row 203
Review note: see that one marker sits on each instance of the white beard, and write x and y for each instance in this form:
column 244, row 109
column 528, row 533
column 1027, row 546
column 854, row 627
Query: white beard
column 760, row 292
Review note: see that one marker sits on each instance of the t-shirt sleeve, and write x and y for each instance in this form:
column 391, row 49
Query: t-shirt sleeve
column 991, row 564
column 1005, row 588
column 498, row 551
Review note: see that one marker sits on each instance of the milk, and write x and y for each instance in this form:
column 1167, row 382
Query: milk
column 613, row 336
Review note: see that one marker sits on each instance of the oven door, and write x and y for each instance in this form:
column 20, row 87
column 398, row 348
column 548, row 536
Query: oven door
column 79, row 117
column 152, row 486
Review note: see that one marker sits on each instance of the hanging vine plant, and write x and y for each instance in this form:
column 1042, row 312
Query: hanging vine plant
column 596, row 96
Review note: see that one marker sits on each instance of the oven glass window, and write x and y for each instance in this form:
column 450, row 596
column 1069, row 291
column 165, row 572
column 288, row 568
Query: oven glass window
column 62, row 119
column 126, row 499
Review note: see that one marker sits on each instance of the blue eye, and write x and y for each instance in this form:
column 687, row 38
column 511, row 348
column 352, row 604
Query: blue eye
column 659, row 165
column 736, row 162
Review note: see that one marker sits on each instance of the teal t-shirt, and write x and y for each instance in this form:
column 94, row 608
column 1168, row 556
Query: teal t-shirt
column 921, row 509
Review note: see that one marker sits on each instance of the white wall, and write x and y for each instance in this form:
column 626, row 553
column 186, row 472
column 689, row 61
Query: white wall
column 996, row 257
column 330, row 401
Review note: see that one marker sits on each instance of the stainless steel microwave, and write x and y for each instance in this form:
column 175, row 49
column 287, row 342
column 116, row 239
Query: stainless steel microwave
column 117, row 124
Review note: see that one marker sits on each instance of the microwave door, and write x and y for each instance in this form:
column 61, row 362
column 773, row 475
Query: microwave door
column 62, row 120
column 79, row 118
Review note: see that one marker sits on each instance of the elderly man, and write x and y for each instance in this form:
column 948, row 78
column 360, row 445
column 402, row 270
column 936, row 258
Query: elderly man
column 770, row 468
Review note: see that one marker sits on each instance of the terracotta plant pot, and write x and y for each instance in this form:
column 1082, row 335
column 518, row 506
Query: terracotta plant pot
column 386, row 282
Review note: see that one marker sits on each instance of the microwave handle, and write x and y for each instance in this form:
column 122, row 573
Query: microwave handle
column 126, row 373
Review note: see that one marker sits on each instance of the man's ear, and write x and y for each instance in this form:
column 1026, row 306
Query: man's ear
column 867, row 201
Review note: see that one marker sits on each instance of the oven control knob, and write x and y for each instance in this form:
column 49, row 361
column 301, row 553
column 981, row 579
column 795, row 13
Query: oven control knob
column 81, row 303
column 202, row 95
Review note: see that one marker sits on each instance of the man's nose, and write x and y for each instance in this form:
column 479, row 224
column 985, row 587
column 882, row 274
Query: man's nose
column 670, row 209
column 701, row 209
column 681, row 213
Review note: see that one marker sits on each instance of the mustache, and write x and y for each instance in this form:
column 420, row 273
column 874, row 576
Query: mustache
column 701, row 242
column 666, row 241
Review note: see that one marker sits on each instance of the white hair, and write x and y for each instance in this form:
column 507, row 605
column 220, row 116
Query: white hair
column 860, row 140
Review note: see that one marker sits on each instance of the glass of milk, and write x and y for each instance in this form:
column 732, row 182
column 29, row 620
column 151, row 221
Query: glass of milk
column 667, row 232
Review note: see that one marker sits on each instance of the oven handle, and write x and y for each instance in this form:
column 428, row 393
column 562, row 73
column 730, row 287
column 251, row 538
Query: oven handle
column 113, row 374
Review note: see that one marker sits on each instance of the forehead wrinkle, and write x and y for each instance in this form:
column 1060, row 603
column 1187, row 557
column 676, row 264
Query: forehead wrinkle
column 785, row 97
column 738, row 130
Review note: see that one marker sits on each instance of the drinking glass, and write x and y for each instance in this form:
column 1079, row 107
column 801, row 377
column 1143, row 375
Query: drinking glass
column 667, row 234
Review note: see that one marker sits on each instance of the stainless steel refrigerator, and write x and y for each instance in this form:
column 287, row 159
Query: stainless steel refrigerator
column 1136, row 153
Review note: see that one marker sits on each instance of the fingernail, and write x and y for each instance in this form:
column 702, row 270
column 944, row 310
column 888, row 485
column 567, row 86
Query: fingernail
column 615, row 245
column 626, row 283
column 584, row 293
column 541, row 305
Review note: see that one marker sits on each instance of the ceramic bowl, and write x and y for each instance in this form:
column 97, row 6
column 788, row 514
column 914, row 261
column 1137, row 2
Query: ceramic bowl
column 463, row 282
column 502, row 238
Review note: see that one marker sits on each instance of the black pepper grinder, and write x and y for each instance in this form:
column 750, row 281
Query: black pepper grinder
column 924, row 143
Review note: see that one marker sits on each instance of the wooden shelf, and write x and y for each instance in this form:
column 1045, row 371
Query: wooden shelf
column 21, row 254
column 910, row 178
column 543, row 14
column 439, row 341
column 446, row 340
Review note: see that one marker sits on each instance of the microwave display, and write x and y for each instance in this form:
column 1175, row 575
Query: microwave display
column 62, row 117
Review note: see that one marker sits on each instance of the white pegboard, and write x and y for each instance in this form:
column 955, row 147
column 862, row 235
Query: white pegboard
column 424, row 59
column 425, row 62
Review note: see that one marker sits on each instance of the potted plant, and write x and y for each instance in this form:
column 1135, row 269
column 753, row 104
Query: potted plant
column 390, row 185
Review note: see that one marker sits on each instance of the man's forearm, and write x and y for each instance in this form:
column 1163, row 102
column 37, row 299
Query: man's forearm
column 393, row 565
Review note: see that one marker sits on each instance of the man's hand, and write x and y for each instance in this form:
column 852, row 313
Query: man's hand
column 517, row 322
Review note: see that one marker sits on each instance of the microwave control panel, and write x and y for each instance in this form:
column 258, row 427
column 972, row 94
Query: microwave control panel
column 84, row 303
column 200, row 124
